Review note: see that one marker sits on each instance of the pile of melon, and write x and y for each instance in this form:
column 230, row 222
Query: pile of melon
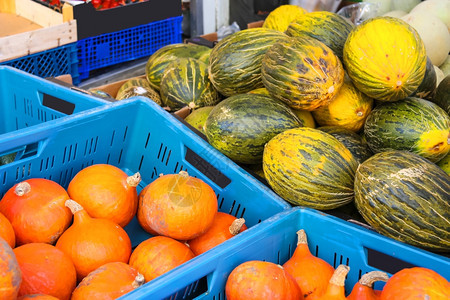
column 332, row 114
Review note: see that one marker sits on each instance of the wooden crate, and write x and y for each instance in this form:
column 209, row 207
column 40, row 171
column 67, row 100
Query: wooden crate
column 27, row 27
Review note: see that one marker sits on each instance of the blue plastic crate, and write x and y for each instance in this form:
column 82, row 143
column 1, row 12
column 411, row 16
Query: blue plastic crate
column 50, row 63
column 125, row 45
column 330, row 238
column 27, row 100
column 136, row 135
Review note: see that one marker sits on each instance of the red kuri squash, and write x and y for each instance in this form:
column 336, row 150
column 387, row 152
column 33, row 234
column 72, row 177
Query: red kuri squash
column 224, row 227
column 10, row 274
column 110, row 281
column 178, row 206
column 311, row 273
column 106, row 192
column 35, row 208
column 91, row 242
column 256, row 280
column 45, row 270
column 158, row 255
column 363, row 289
column 416, row 283
column 7, row 231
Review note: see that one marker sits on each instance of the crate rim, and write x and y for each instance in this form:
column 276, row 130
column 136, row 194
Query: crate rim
column 191, row 267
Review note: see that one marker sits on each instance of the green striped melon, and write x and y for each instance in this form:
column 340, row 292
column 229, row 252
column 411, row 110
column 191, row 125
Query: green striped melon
column 406, row 197
column 309, row 167
column 427, row 88
column 158, row 61
column 442, row 96
column 410, row 124
column 302, row 72
column 235, row 62
column 327, row 27
column 197, row 118
column 143, row 91
column 137, row 81
column 185, row 82
column 353, row 141
column 241, row 125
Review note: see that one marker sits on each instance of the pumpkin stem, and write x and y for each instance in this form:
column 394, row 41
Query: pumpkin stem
column 236, row 226
column 161, row 174
column 138, row 281
column 338, row 278
column 73, row 206
column 369, row 278
column 301, row 236
column 184, row 174
column 22, row 188
column 134, row 180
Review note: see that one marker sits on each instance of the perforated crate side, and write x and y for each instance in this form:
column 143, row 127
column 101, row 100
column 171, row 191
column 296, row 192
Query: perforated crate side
column 49, row 63
column 125, row 45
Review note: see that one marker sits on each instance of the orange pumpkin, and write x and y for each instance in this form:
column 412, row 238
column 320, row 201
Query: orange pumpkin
column 110, row 281
column 179, row 206
column 106, row 192
column 35, row 208
column 158, row 255
column 45, row 270
column 261, row 280
column 91, row 242
column 363, row 289
column 416, row 283
column 37, row 297
column 224, row 227
column 336, row 286
column 10, row 274
column 140, row 213
column 7, row 231
column 311, row 273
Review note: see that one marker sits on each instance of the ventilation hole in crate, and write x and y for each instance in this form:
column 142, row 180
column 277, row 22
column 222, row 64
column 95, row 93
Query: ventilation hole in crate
column 146, row 142
column 107, row 158
column 75, row 152
column 232, row 207
column 242, row 214
column 334, row 260
column 64, row 155
column 120, row 156
column 140, row 162
column 164, row 154
column 237, row 210
column 29, row 170
column 112, row 138
column 159, row 152
column 317, row 250
column 125, row 133
column 359, row 274
column 176, row 166
column 4, row 178
column 290, row 250
column 69, row 154
column 17, row 124
column 95, row 144
column 168, row 157
column 53, row 162
column 278, row 258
